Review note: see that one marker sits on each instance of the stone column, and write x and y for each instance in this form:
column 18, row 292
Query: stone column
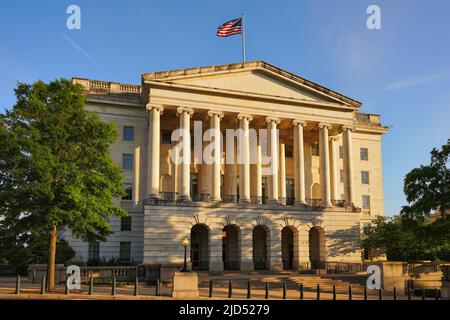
column 273, row 147
column 185, row 166
column 282, row 174
column 137, row 172
column 324, row 164
column 230, row 178
column 348, row 165
column 216, row 116
column 258, row 175
column 333, row 169
column 244, row 158
column 299, row 162
column 155, row 113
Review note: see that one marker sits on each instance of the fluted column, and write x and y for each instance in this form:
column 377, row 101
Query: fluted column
column 273, row 147
column 185, row 166
column 324, row 164
column 348, row 165
column 155, row 113
column 299, row 162
column 333, row 169
column 216, row 116
column 282, row 174
column 244, row 158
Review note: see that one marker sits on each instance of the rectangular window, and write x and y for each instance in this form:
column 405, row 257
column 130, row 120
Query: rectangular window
column 365, row 177
column 125, row 224
column 127, row 161
column 125, row 251
column 366, row 202
column 314, row 149
column 94, row 251
column 128, row 133
column 364, row 154
column 288, row 151
column 129, row 190
column 166, row 137
column 341, row 176
column 341, row 152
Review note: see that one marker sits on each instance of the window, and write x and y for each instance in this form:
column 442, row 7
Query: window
column 94, row 251
column 366, row 202
column 341, row 176
column 127, row 161
column 125, row 251
column 314, row 149
column 341, row 152
column 288, row 151
column 125, row 224
column 129, row 190
column 166, row 137
column 128, row 133
column 290, row 193
column 365, row 177
column 364, row 154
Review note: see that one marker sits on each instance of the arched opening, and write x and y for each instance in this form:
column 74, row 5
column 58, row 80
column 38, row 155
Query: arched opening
column 200, row 247
column 230, row 247
column 260, row 252
column 287, row 248
column 317, row 248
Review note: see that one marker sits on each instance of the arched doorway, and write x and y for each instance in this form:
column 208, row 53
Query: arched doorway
column 230, row 247
column 287, row 248
column 317, row 248
column 260, row 255
column 200, row 247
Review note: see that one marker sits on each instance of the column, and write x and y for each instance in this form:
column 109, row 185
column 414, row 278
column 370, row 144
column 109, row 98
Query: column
column 273, row 147
column 282, row 174
column 230, row 178
column 185, row 166
column 137, row 170
column 256, row 181
column 299, row 162
column 244, row 158
column 348, row 165
column 215, row 116
column 324, row 164
column 333, row 169
column 153, row 149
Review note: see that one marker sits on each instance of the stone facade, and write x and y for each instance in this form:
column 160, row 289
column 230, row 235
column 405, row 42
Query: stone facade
column 311, row 210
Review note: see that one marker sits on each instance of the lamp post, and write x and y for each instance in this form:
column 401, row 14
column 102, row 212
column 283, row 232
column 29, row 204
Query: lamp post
column 185, row 245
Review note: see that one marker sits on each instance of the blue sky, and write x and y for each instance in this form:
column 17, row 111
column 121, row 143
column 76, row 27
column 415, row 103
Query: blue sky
column 401, row 71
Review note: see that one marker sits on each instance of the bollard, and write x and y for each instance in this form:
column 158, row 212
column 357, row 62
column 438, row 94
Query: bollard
column 318, row 292
column 66, row 286
column 395, row 293
column 136, row 287
column 334, row 292
column 18, row 284
column 113, row 289
column 230, row 289
column 34, row 276
column 158, row 288
column 249, row 292
column 365, row 293
column 267, row 291
column 43, row 285
column 436, row 294
column 91, row 285
column 284, row 291
column 210, row 288
column 423, row 294
column 380, row 294
column 350, row 292
column 301, row 291
column 409, row 293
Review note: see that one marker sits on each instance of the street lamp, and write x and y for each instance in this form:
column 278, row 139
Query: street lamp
column 185, row 245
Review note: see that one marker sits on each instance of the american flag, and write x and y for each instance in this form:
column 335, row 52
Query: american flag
column 230, row 28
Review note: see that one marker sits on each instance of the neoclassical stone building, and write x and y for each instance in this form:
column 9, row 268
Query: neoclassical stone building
column 309, row 211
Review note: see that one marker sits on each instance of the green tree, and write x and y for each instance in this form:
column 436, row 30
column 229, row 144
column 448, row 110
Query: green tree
column 56, row 171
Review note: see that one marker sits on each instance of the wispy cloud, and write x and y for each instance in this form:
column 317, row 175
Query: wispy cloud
column 76, row 46
column 416, row 81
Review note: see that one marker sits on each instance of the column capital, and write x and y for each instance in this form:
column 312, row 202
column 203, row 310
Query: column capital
column 157, row 107
column 242, row 116
column 189, row 111
column 273, row 119
column 324, row 125
column 215, row 113
column 348, row 127
column 299, row 123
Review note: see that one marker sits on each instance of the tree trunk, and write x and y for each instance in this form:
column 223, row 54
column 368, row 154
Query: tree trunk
column 51, row 260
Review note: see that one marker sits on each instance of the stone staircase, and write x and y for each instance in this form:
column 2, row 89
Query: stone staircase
column 291, row 279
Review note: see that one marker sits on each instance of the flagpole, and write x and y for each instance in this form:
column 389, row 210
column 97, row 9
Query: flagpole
column 243, row 38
